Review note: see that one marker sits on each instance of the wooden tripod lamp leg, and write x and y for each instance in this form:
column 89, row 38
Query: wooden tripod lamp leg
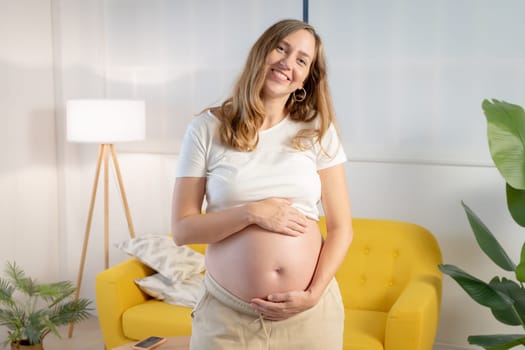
column 103, row 156
column 86, row 232
column 122, row 192
column 106, row 207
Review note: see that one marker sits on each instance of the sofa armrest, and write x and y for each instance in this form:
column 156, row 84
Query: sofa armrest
column 412, row 321
column 116, row 292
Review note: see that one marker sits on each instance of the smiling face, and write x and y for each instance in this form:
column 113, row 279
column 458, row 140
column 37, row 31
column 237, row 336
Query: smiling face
column 288, row 65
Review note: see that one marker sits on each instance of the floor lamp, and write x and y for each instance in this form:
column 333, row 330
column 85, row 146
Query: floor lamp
column 104, row 122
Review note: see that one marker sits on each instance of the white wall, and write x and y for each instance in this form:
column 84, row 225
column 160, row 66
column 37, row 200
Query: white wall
column 46, row 184
column 28, row 182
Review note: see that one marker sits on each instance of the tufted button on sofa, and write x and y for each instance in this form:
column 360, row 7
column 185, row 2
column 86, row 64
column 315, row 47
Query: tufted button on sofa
column 389, row 281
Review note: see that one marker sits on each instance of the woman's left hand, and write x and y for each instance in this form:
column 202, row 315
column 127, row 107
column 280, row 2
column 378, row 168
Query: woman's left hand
column 280, row 306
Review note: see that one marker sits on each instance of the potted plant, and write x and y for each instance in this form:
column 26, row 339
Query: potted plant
column 505, row 297
column 31, row 310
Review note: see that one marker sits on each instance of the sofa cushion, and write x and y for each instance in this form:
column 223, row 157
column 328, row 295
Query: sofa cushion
column 162, row 254
column 183, row 293
column 364, row 330
column 158, row 318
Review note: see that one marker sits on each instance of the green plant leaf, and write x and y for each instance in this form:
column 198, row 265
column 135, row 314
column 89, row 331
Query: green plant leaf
column 497, row 341
column 487, row 242
column 17, row 277
column 6, row 292
column 516, row 204
column 34, row 325
column 506, row 137
column 72, row 311
column 520, row 272
column 39, row 308
column 55, row 293
column 513, row 315
column 478, row 290
column 520, row 269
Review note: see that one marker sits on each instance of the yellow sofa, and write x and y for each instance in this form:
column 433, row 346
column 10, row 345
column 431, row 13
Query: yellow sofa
column 389, row 281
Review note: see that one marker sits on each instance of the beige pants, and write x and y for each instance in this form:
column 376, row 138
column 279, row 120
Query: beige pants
column 223, row 321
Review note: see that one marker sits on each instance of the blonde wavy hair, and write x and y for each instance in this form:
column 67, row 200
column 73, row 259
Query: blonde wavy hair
column 243, row 113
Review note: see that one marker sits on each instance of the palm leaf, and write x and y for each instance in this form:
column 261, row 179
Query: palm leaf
column 49, row 327
column 73, row 311
column 487, row 242
column 11, row 319
column 35, row 323
column 19, row 280
column 55, row 293
column 41, row 308
column 6, row 292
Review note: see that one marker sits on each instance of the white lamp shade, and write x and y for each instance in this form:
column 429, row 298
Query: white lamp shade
column 105, row 121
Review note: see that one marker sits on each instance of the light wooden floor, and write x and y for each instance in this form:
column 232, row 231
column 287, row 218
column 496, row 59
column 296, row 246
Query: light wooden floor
column 86, row 336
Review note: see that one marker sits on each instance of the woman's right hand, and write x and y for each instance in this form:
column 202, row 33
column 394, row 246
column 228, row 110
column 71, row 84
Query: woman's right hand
column 278, row 215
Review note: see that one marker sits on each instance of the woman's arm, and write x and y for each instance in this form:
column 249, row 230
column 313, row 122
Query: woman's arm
column 190, row 225
column 336, row 206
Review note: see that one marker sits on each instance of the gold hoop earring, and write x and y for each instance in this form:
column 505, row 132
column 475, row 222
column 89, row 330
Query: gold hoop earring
column 299, row 95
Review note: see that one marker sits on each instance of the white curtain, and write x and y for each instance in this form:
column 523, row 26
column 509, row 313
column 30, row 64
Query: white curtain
column 180, row 56
column 407, row 76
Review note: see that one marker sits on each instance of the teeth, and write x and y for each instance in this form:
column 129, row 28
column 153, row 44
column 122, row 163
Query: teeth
column 281, row 75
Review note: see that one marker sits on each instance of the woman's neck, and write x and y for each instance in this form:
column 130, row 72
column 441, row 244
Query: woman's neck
column 275, row 112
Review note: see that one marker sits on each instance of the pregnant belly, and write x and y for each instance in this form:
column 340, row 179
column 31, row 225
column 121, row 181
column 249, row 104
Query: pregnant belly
column 255, row 262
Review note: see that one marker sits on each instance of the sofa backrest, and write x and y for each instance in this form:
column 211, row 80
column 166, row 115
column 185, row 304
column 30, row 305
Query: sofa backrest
column 383, row 257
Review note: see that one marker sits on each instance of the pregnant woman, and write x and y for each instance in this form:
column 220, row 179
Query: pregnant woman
column 263, row 161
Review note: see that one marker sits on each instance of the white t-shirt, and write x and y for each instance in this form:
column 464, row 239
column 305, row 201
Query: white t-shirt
column 274, row 169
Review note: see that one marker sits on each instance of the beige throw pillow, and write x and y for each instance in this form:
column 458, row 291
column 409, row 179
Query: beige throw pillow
column 183, row 293
column 175, row 263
